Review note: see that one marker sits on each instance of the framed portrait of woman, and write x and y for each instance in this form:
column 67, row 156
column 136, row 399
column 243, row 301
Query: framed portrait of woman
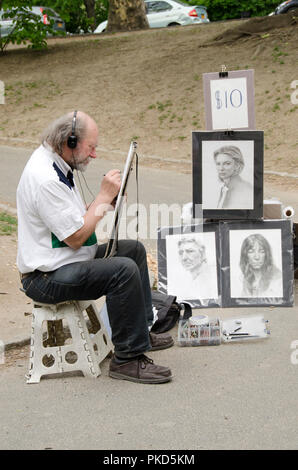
column 188, row 264
column 257, row 263
column 228, row 174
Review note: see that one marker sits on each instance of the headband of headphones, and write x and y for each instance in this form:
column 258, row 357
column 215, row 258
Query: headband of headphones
column 72, row 140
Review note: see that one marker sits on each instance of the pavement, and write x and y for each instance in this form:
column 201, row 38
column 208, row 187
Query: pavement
column 231, row 396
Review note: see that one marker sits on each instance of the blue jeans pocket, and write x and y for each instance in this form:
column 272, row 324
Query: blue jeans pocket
column 39, row 288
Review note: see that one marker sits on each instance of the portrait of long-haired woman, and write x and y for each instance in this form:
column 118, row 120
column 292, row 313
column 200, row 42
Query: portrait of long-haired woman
column 261, row 278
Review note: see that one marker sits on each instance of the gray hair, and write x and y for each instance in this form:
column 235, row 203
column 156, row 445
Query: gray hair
column 57, row 133
column 232, row 152
column 198, row 243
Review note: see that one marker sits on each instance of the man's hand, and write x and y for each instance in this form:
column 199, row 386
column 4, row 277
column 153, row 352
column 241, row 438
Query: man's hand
column 110, row 186
column 109, row 189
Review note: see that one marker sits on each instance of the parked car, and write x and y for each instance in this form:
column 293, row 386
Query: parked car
column 46, row 14
column 163, row 13
column 6, row 25
column 284, row 7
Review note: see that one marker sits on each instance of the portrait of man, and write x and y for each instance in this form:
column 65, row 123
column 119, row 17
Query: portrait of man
column 256, row 264
column 228, row 175
column 192, row 254
column 191, row 266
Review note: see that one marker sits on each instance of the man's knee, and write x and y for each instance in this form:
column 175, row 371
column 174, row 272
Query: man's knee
column 127, row 268
column 132, row 248
column 141, row 249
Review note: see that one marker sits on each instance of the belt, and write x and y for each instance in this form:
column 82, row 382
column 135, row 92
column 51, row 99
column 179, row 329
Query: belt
column 24, row 275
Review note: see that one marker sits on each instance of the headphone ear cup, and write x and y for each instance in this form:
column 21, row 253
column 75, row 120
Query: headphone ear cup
column 72, row 141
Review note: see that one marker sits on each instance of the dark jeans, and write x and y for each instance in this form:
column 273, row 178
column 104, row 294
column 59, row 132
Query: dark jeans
column 123, row 279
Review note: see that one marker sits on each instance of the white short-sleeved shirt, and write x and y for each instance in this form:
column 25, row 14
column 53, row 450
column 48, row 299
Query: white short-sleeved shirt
column 50, row 209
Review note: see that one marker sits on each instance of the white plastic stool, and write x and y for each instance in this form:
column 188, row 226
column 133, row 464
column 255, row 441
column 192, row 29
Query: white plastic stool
column 53, row 355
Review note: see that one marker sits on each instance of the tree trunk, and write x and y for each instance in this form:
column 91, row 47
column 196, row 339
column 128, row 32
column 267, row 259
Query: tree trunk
column 90, row 9
column 127, row 15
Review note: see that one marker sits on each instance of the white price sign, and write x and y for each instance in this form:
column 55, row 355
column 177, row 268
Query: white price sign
column 229, row 103
column 229, row 100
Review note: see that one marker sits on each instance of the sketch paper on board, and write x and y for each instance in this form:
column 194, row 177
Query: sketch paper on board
column 113, row 237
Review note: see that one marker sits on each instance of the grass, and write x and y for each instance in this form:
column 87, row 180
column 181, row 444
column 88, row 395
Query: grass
column 18, row 91
column 8, row 224
column 162, row 106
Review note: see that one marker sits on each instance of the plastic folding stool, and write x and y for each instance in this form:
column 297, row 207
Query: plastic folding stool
column 81, row 347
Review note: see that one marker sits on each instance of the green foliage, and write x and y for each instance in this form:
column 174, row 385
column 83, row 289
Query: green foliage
column 27, row 27
column 8, row 224
column 101, row 11
column 229, row 9
column 75, row 15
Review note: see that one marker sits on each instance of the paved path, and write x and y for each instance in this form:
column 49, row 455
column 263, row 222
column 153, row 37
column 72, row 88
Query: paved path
column 156, row 185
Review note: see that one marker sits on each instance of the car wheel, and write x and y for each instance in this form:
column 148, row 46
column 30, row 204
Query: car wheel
column 173, row 24
column 293, row 9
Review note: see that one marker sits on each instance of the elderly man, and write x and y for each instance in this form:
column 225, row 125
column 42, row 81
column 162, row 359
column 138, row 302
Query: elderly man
column 192, row 255
column 199, row 281
column 58, row 256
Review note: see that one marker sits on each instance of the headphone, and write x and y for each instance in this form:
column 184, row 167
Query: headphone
column 72, row 140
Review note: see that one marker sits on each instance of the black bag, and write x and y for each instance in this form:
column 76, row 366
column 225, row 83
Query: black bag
column 168, row 311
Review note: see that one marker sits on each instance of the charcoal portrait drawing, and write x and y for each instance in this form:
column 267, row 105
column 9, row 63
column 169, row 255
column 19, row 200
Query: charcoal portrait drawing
column 192, row 272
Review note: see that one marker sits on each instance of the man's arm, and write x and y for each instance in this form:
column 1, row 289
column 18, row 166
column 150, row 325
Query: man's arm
column 109, row 189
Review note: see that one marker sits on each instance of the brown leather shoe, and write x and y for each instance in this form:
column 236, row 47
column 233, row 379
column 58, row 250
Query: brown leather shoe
column 160, row 341
column 142, row 370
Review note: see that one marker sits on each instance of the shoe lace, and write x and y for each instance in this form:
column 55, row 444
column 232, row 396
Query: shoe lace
column 144, row 360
